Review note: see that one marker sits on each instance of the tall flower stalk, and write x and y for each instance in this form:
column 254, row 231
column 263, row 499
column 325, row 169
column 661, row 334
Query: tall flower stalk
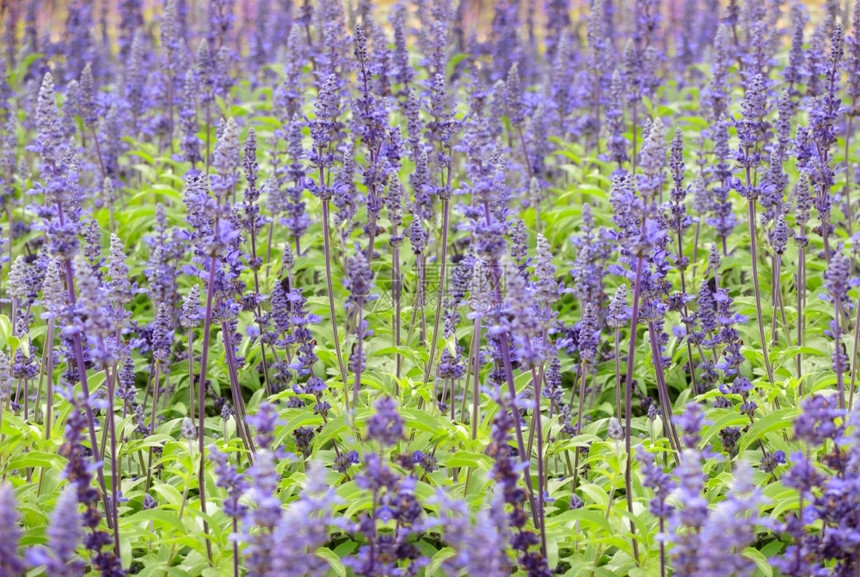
column 324, row 130
column 253, row 222
column 360, row 284
column 803, row 205
column 62, row 186
column 394, row 204
column 441, row 128
column 836, row 279
column 750, row 128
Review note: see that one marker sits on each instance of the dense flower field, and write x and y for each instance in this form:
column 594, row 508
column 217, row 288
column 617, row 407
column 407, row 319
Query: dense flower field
column 314, row 288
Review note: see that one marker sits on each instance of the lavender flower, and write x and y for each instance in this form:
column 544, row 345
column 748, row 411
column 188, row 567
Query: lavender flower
column 730, row 528
column 619, row 314
column 88, row 96
column 589, row 335
column 188, row 120
column 64, row 535
column 50, row 138
column 225, row 159
column 119, row 288
column 188, row 430
column 10, row 561
column 480, row 545
column 260, row 522
column 231, row 481
column 78, row 473
column 303, row 528
column 691, row 422
column 162, row 334
column 265, row 421
column 385, row 425
column 513, row 97
column 819, row 420
column 687, row 522
column 191, row 310
column 546, row 289
column 779, row 238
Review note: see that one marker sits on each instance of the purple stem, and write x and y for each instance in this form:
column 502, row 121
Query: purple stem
column 628, row 399
column 754, row 259
column 840, row 377
column 663, row 390
column 509, row 375
column 201, row 399
column 395, row 288
column 258, row 311
column 327, row 251
column 854, row 359
column 359, row 360
column 536, row 416
column 801, row 297
column 82, row 373
column 236, row 389
column 445, row 216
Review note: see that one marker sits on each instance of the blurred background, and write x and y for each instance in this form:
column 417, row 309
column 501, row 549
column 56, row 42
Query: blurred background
column 44, row 20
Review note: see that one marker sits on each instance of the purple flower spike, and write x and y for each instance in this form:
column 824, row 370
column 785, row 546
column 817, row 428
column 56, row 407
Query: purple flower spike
column 386, row 425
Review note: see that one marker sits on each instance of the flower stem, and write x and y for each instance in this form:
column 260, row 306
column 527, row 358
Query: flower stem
column 504, row 347
column 155, row 392
column 847, row 187
column 476, row 393
column 49, row 373
column 663, row 390
column 583, row 377
column 327, row 251
column 236, row 388
column 681, row 270
column 201, row 399
column 537, row 418
column 628, row 400
column 359, row 352
column 837, row 365
column 395, row 289
column 756, row 289
column 82, row 374
column 801, row 298
column 98, row 151
column 258, row 310
column 114, row 463
column 617, row 376
column 854, row 359
column 445, row 217
column 190, row 374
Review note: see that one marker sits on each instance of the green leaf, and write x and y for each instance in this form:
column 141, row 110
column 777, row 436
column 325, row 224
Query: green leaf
column 568, row 519
column 760, row 561
column 331, row 430
column 333, row 560
column 440, row 557
column 35, row 459
column 728, row 419
column 781, row 419
column 156, row 516
column 469, row 459
column 425, row 422
column 5, row 328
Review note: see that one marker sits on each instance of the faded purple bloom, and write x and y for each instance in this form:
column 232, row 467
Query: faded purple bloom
column 10, row 561
column 233, row 482
column 265, row 421
column 386, row 425
column 64, row 535
column 304, row 528
column 818, row 421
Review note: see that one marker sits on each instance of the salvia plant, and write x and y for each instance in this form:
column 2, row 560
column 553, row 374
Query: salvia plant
column 427, row 288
